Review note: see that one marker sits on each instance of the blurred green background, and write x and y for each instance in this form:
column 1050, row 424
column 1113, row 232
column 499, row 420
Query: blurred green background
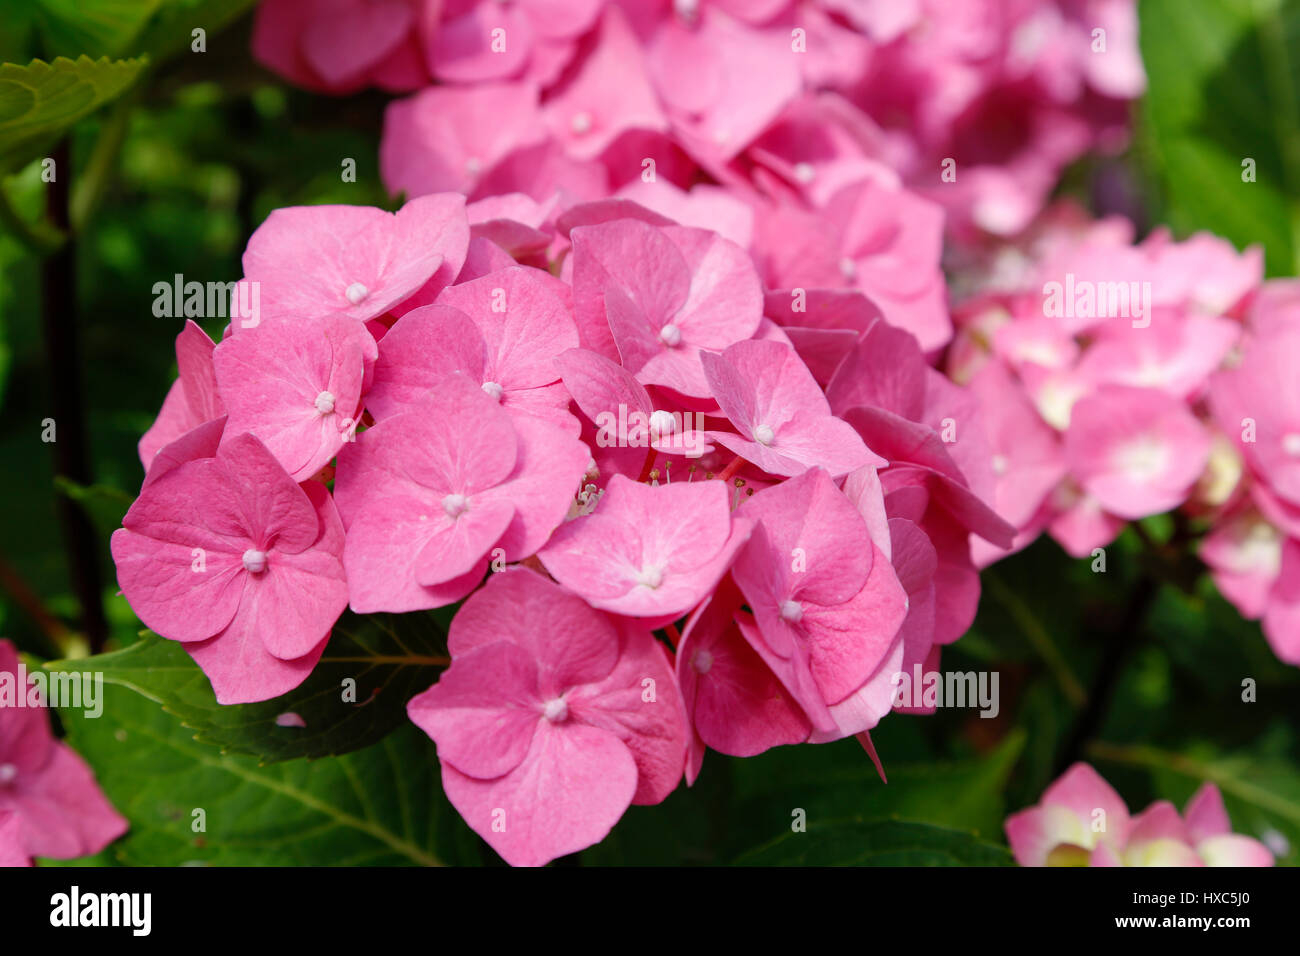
column 1142, row 679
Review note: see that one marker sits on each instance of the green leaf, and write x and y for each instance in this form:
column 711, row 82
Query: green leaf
column 40, row 101
column 1224, row 87
column 379, row 806
column 94, row 27
column 391, row 658
column 876, row 843
column 838, row 781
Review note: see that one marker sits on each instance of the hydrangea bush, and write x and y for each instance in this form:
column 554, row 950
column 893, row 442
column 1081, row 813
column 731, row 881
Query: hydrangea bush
column 709, row 353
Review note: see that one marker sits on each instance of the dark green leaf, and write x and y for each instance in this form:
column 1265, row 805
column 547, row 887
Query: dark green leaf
column 877, row 843
column 381, row 806
column 391, row 658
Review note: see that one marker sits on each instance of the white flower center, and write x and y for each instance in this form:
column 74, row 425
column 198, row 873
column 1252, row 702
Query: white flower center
column 1291, row 444
column 848, row 268
column 8, row 773
column 473, row 165
column 702, row 662
column 494, row 389
column 999, row 464
column 670, row 335
column 662, row 423
column 254, row 561
column 581, row 123
column 791, row 611
column 455, row 505
column 764, row 434
column 1143, row 459
column 805, row 172
column 651, row 576
column 325, row 403
column 555, row 710
column 688, row 10
column 356, row 293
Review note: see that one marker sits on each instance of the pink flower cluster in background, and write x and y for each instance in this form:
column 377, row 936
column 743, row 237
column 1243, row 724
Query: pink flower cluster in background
column 784, row 102
column 1122, row 380
column 50, row 805
column 638, row 438
column 1082, row 821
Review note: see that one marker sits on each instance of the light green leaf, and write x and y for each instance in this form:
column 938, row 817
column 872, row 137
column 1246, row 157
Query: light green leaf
column 391, row 658
column 40, row 101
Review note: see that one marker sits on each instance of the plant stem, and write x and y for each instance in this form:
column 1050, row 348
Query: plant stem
column 1037, row 636
column 1119, row 643
column 63, row 363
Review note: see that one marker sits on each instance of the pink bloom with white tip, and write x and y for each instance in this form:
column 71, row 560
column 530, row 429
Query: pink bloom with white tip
column 440, row 139
column 784, row 420
column 1082, row 821
column 826, row 603
column 355, row 261
column 1137, row 451
column 429, row 494
column 655, row 297
column 297, row 387
column 607, row 394
column 648, row 551
column 503, row 330
column 50, row 804
column 734, row 702
column 231, row 557
column 545, row 726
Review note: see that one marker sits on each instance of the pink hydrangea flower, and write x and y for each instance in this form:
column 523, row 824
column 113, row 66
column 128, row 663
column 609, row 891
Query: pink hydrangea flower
column 231, row 557
column 648, row 551
column 1082, row 821
column 503, row 329
column 50, row 804
column 735, row 704
column 339, row 46
column 655, row 297
column 449, row 138
column 1137, row 451
column 784, row 420
column 297, row 387
column 826, row 603
column 354, row 261
column 429, row 494
column 551, row 720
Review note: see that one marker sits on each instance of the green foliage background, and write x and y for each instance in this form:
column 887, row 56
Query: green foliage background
column 178, row 156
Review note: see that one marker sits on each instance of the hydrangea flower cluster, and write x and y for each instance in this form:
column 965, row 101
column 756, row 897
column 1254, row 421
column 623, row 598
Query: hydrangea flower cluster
column 784, row 102
column 648, row 442
column 1121, row 381
column 1082, row 821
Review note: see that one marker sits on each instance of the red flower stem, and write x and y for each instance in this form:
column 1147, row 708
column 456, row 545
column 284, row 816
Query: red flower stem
column 732, row 468
column 649, row 464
